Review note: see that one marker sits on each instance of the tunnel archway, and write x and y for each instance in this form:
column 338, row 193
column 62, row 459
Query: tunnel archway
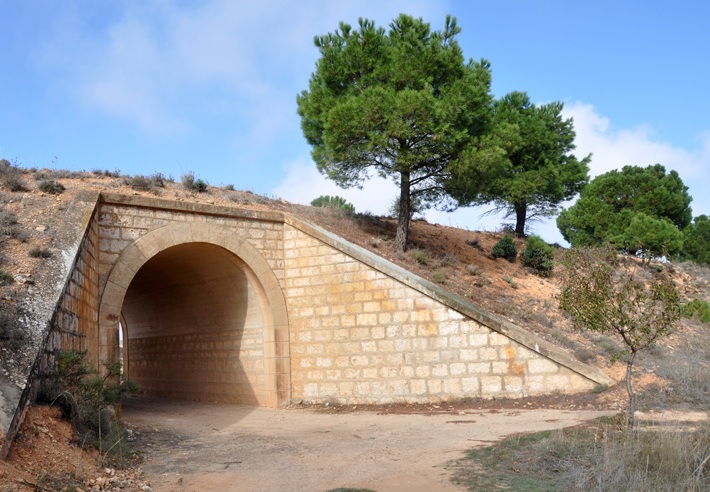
column 203, row 316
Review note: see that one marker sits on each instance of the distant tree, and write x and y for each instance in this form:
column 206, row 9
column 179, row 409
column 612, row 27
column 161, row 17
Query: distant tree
column 333, row 202
column 696, row 241
column 538, row 172
column 403, row 104
column 638, row 210
column 604, row 293
column 650, row 237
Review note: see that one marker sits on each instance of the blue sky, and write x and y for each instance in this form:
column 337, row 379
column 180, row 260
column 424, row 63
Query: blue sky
column 210, row 86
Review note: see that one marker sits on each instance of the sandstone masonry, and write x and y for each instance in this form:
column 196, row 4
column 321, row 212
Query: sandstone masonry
column 221, row 304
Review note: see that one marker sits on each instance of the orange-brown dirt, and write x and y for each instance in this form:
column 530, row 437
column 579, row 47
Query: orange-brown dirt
column 46, row 451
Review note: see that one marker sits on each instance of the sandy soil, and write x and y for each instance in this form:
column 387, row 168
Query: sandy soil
column 216, row 447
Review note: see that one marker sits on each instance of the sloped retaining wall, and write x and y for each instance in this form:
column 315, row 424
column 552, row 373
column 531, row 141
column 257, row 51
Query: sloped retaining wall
column 74, row 319
column 363, row 330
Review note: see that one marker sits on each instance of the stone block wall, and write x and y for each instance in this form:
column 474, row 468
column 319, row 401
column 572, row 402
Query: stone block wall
column 226, row 366
column 361, row 336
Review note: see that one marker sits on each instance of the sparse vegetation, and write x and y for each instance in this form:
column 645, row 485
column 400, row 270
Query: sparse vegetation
column 418, row 255
column 698, row 308
column 610, row 348
column 439, row 277
column 6, row 278
column 585, row 355
column 538, row 256
column 38, row 252
column 189, row 183
column 505, row 248
column 88, row 400
column 116, row 173
column 51, row 187
column 606, row 295
column 12, row 335
column 449, row 260
column 602, row 458
column 509, row 280
column 11, row 176
column 8, row 221
column 54, row 174
column 475, row 243
column 146, row 183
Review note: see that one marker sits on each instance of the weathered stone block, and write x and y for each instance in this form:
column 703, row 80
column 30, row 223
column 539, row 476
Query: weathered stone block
column 542, row 366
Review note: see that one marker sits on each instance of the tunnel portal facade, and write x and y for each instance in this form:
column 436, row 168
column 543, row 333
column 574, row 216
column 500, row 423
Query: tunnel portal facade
column 220, row 304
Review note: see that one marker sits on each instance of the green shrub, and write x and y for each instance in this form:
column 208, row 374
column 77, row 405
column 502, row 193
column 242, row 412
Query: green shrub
column 51, row 187
column 337, row 202
column 88, row 399
column 38, row 252
column 12, row 334
column 511, row 282
column 200, row 186
column 191, row 184
column 12, row 176
column 138, row 182
column 505, row 248
column 449, row 260
column 696, row 306
column 539, row 256
column 418, row 255
column 146, row 183
column 439, row 277
column 6, row 278
column 8, row 221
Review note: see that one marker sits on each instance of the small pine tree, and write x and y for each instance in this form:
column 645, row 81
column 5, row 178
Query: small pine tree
column 539, row 256
column 505, row 248
column 337, row 202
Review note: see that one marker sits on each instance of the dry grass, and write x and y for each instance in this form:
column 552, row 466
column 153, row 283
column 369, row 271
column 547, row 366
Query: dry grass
column 599, row 458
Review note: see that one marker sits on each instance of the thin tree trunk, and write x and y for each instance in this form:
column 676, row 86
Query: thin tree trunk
column 521, row 211
column 400, row 239
column 632, row 397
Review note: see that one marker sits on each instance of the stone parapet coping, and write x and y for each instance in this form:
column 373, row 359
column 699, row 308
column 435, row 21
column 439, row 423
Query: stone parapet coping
column 189, row 207
column 453, row 301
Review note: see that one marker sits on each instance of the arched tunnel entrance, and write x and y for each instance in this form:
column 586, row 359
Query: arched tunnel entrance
column 203, row 317
column 194, row 318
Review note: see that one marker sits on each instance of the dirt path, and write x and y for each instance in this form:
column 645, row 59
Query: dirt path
column 209, row 447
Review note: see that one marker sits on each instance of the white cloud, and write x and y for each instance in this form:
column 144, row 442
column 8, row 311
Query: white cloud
column 615, row 148
column 157, row 64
